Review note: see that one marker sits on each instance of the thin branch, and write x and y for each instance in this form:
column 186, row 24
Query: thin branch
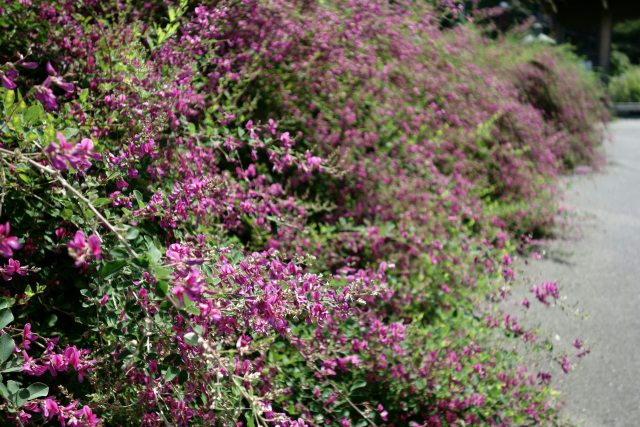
column 3, row 192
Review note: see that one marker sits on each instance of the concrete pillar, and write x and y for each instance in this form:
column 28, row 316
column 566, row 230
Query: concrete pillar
column 604, row 52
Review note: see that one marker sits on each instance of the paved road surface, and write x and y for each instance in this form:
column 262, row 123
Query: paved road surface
column 597, row 264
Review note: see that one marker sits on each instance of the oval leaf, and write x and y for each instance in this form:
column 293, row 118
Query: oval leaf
column 6, row 317
column 37, row 390
column 6, row 347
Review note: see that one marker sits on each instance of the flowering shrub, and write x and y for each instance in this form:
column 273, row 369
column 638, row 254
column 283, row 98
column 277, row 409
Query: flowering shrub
column 280, row 212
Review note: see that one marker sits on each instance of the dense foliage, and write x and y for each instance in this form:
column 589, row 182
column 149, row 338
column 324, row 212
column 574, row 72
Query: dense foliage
column 624, row 38
column 275, row 212
column 625, row 87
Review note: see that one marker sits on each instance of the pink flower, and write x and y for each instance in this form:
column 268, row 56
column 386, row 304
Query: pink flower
column 544, row 377
column 72, row 356
column 547, row 289
column 7, row 83
column 56, row 363
column 312, row 162
column 90, row 419
column 62, row 154
column 46, row 97
column 77, row 246
column 29, row 65
column 506, row 259
column 12, row 267
column 27, row 336
column 50, row 408
column 66, row 86
column 24, row 417
column 7, row 243
column 565, row 364
column 30, row 367
column 477, row 399
column 95, row 246
column 82, row 248
column 60, row 232
column 50, row 70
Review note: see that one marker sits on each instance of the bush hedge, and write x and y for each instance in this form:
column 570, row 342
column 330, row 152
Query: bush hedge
column 626, row 86
column 275, row 212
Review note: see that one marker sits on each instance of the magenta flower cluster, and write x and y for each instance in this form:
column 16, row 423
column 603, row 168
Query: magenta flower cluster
column 8, row 243
column 546, row 291
column 63, row 154
column 83, row 248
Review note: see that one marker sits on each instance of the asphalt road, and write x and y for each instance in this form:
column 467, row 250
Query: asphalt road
column 596, row 262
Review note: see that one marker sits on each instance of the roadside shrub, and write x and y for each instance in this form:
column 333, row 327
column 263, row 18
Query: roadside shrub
column 620, row 62
column 626, row 86
column 271, row 213
column 550, row 81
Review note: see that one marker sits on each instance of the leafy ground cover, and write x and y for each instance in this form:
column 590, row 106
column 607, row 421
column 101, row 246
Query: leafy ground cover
column 275, row 212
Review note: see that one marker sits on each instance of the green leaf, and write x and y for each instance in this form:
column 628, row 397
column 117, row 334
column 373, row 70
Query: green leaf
column 153, row 252
column 139, row 198
column 191, row 338
column 6, row 317
column 112, row 267
column 9, row 99
column 21, row 397
column 358, row 384
column 12, row 366
column 70, row 132
column 33, row 114
column 4, row 392
column 132, row 233
column 6, row 347
column 119, row 254
column 101, row 202
column 83, row 95
column 52, row 320
column 37, row 390
column 162, row 287
column 13, row 386
column 24, row 178
column 171, row 373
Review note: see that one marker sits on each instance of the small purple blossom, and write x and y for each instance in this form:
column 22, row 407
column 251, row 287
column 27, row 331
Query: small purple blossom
column 11, row 268
column 49, row 408
column 8, row 243
column 62, row 154
column 46, row 97
column 7, row 82
column 27, row 336
column 50, row 70
column 83, row 249
column 64, row 85
column 29, row 65
column 546, row 290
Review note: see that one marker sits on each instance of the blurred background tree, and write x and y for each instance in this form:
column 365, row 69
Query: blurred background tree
column 624, row 72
